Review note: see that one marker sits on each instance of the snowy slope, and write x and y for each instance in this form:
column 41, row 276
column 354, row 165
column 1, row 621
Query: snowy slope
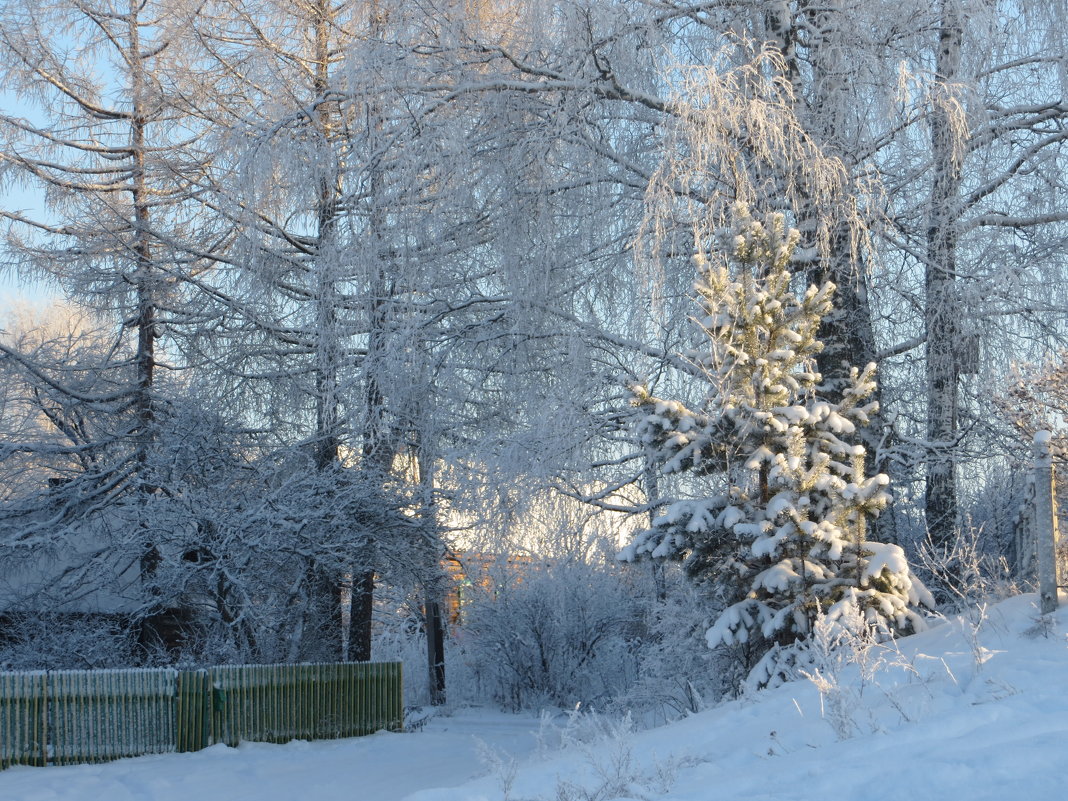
column 971, row 718
column 957, row 722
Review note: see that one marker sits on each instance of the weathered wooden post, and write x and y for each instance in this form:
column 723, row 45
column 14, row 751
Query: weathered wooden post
column 1046, row 534
column 1025, row 530
column 435, row 650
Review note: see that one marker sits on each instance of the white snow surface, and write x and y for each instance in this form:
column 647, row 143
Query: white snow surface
column 969, row 717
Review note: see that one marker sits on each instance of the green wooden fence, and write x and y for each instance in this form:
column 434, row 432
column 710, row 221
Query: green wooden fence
column 23, row 719
column 97, row 716
column 67, row 717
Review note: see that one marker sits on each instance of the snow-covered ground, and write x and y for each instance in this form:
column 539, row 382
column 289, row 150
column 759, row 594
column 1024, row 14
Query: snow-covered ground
column 957, row 718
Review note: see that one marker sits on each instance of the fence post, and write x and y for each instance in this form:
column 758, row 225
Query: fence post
column 1046, row 534
column 193, row 712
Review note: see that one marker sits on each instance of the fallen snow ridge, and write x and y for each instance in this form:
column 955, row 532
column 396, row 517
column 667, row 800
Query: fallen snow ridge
column 951, row 715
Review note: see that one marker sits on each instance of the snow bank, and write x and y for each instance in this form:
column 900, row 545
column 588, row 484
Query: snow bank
column 960, row 716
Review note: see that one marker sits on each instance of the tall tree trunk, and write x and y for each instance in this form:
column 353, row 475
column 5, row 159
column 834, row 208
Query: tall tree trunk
column 435, row 580
column 940, row 317
column 378, row 449
column 326, row 584
column 435, row 651
column 651, row 480
column 847, row 332
column 362, row 606
column 145, row 322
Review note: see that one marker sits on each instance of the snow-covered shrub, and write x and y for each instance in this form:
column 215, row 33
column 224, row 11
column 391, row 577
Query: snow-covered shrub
column 967, row 578
column 843, row 658
column 965, row 571
column 610, row 758
column 677, row 675
column 398, row 641
column 611, row 768
column 557, row 633
column 56, row 641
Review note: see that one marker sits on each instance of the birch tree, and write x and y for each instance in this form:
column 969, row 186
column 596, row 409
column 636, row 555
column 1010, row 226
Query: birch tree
column 985, row 92
column 354, row 259
column 957, row 105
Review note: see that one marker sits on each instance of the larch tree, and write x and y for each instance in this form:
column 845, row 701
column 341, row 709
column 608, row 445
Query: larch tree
column 106, row 148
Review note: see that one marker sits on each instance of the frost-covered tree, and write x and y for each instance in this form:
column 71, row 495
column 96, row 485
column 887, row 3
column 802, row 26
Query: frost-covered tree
column 96, row 133
column 983, row 229
column 782, row 534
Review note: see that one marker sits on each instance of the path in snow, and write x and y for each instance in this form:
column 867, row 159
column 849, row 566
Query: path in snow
column 382, row 767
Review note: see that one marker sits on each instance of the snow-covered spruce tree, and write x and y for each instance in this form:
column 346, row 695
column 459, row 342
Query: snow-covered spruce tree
column 782, row 536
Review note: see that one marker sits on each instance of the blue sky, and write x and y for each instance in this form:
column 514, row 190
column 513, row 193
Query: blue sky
column 12, row 288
